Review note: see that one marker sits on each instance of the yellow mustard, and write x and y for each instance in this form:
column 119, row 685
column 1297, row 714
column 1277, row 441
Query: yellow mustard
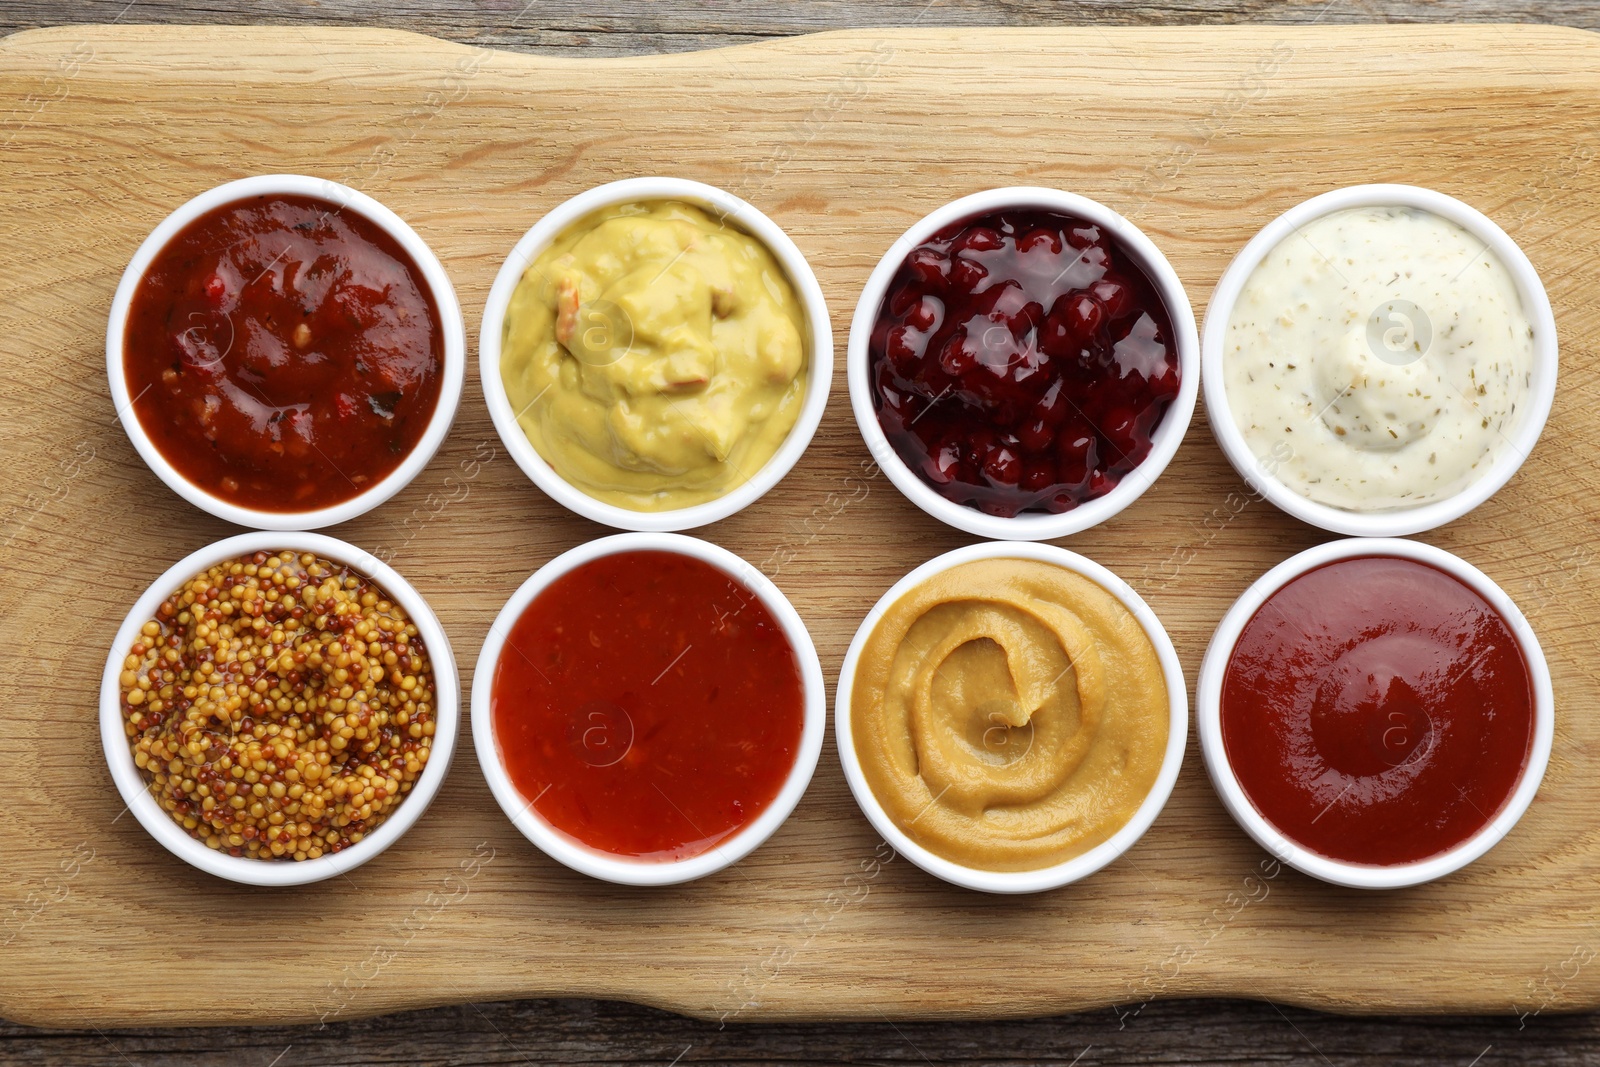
column 1009, row 714
column 654, row 355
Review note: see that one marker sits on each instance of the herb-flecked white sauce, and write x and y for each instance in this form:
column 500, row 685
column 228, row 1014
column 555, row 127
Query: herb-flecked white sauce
column 1388, row 348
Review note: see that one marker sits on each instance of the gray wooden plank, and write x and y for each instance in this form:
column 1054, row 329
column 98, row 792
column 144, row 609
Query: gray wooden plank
column 1200, row 1033
column 631, row 27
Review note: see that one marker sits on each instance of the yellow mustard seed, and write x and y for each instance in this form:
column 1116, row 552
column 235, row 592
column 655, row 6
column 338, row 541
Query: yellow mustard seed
column 279, row 706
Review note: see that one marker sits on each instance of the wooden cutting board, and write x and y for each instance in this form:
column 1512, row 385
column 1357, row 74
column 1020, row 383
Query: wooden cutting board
column 1200, row 135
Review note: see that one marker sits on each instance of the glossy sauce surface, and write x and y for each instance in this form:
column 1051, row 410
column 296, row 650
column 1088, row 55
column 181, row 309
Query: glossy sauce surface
column 1377, row 711
column 1021, row 361
column 648, row 705
column 282, row 354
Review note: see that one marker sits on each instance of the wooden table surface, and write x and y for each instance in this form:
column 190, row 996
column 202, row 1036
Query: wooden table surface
column 1197, row 1032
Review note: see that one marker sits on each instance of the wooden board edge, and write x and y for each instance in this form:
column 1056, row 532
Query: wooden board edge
column 49, row 41
column 18, row 1013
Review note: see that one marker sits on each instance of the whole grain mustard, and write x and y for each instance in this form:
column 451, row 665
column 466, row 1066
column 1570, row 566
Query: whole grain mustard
column 280, row 706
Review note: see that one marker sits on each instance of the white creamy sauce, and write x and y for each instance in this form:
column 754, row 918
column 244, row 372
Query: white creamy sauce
column 1388, row 349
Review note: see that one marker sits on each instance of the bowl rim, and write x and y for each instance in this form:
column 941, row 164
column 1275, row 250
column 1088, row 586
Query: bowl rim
column 610, row 867
column 1164, row 443
column 1078, row 867
column 130, row 781
column 1396, row 522
column 745, row 216
column 1208, row 717
column 454, row 359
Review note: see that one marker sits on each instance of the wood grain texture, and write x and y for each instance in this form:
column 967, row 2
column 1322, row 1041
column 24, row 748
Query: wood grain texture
column 829, row 135
column 589, row 28
column 1169, row 1033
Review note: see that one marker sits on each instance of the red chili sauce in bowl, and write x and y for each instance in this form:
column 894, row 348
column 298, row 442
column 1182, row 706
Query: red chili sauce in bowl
column 283, row 355
column 1022, row 361
column 648, row 705
column 1377, row 711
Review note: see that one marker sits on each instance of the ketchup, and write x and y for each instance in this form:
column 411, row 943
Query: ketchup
column 282, row 354
column 648, row 705
column 1377, row 711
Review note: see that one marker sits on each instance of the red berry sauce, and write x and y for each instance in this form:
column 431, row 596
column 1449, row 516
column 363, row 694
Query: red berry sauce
column 1021, row 361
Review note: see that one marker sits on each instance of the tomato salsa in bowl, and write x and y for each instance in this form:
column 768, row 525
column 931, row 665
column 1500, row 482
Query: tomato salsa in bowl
column 1375, row 712
column 285, row 352
column 648, row 708
column 1023, row 363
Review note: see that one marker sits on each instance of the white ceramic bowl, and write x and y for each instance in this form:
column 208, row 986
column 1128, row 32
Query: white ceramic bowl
column 433, row 276
column 1079, row 866
column 135, row 789
column 818, row 334
column 1397, row 522
column 1028, row 526
column 609, row 866
column 1208, row 717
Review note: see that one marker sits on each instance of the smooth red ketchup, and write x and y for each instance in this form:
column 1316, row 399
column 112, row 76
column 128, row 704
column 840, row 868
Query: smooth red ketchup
column 1377, row 711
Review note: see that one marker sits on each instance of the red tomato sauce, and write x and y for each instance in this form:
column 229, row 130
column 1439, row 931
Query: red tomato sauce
column 1377, row 711
column 283, row 355
column 648, row 705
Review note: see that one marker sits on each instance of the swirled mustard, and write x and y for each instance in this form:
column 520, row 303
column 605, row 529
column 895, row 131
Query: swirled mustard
column 654, row 355
column 1009, row 714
